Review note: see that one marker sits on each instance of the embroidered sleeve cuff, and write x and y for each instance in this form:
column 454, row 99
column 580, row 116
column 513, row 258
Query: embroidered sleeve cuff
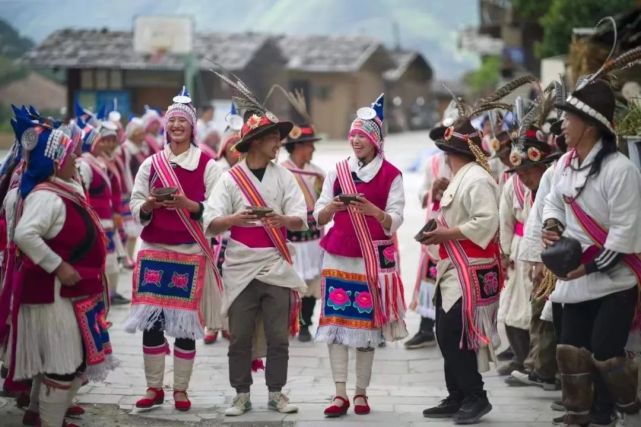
column 196, row 216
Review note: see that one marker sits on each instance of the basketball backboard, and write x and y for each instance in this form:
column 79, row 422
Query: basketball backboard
column 166, row 34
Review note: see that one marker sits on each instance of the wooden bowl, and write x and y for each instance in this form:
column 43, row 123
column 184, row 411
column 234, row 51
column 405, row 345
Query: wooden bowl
column 429, row 226
column 260, row 211
column 349, row 198
column 164, row 193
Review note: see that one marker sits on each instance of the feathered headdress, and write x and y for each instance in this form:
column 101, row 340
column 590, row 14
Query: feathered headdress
column 258, row 119
column 302, row 131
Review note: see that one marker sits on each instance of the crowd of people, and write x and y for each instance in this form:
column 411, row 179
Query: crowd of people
column 531, row 224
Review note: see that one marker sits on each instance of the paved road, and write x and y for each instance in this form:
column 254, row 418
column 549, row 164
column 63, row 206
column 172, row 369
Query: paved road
column 403, row 383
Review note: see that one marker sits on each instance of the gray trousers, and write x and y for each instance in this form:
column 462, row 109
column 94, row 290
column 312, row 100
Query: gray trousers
column 273, row 303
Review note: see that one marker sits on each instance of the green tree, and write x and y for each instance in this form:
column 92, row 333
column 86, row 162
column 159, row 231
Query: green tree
column 486, row 77
column 559, row 17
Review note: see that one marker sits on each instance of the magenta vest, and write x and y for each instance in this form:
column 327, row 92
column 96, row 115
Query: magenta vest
column 78, row 243
column 100, row 197
column 165, row 226
column 341, row 238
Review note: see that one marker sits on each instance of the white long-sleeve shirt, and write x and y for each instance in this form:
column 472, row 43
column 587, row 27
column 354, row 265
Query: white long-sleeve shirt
column 613, row 199
column 532, row 244
column 187, row 160
column 395, row 199
column 243, row 264
column 43, row 216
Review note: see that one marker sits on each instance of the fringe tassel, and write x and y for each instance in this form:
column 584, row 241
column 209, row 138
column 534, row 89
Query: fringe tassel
column 483, row 328
column 332, row 334
column 258, row 365
column 294, row 314
column 99, row 372
column 176, row 323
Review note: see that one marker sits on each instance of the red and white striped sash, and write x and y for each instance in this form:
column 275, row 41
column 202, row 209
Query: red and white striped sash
column 365, row 242
column 168, row 177
column 310, row 196
column 254, row 198
column 599, row 234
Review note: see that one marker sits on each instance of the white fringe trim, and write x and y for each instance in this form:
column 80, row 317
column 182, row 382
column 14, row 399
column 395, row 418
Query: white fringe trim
column 350, row 337
column 485, row 319
column 99, row 372
column 395, row 330
column 177, row 323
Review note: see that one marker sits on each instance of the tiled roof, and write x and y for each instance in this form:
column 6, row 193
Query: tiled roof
column 327, row 54
column 70, row 48
column 403, row 60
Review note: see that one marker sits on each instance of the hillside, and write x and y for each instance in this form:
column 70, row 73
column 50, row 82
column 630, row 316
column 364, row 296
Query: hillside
column 429, row 26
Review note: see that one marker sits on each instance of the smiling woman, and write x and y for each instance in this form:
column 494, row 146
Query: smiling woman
column 359, row 272
column 176, row 283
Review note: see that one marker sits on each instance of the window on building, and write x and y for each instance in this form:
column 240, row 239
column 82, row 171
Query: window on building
column 323, row 92
column 102, row 79
column 86, row 79
column 115, row 79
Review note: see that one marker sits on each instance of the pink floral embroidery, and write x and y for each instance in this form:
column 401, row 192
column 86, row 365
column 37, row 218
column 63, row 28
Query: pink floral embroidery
column 490, row 283
column 432, row 272
column 152, row 277
column 339, row 298
column 389, row 253
column 180, row 281
column 363, row 302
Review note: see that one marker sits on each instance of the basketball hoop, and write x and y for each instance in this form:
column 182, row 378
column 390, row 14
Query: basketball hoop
column 159, row 35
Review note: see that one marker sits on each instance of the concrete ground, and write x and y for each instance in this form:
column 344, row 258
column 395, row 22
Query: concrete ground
column 404, row 382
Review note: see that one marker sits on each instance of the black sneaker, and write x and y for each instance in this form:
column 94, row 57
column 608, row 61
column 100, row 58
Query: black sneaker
column 507, row 368
column 506, row 355
column 472, row 409
column 117, row 299
column 420, row 340
column 532, row 378
column 304, row 335
column 446, row 409
column 557, row 405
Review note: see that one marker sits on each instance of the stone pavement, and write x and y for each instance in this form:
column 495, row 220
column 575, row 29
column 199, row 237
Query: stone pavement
column 404, row 382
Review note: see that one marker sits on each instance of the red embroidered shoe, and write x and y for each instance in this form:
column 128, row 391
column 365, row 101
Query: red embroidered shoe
column 210, row 337
column 182, row 405
column 23, row 400
column 226, row 335
column 361, row 409
column 334, row 411
column 148, row 402
column 30, row 418
column 75, row 411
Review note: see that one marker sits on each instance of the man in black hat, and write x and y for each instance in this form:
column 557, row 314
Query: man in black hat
column 466, row 234
column 545, row 314
column 596, row 200
column 258, row 201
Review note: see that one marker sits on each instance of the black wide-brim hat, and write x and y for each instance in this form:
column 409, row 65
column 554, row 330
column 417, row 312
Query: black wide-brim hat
column 450, row 138
column 532, row 149
column 595, row 102
column 266, row 125
column 301, row 133
column 504, row 139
